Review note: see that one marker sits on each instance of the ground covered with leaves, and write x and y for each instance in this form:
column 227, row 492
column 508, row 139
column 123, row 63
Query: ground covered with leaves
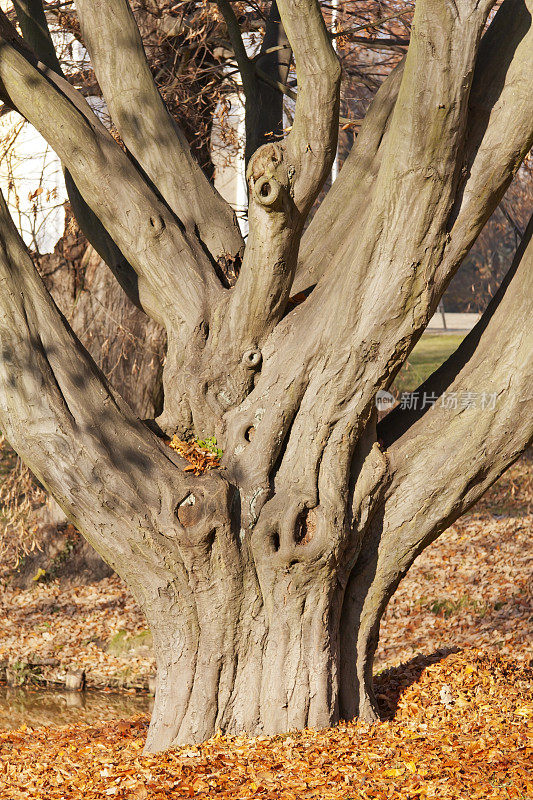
column 474, row 745
column 454, row 682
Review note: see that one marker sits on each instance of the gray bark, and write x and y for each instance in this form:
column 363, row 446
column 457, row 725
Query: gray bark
column 148, row 130
column 260, row 78
column 264, row 581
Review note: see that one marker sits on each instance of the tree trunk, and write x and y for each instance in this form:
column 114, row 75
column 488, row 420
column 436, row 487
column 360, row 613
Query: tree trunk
column 260, row 664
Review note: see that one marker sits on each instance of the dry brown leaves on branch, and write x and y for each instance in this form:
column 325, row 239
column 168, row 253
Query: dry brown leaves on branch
column 200, row 458
column 475, row 746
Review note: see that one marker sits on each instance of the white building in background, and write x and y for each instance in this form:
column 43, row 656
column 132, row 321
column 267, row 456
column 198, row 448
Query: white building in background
column 230, row 169
column 31, row 176
column 31, row 180
column 230, row 177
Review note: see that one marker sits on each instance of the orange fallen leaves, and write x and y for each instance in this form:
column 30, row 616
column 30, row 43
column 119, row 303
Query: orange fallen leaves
column 200, row 458
column 478, row 747
column 428, row 750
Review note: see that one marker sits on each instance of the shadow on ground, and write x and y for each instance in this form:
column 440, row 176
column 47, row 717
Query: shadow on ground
column 390, row 684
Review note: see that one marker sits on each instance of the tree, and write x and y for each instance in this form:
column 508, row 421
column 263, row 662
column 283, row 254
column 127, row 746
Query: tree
column 264, row 581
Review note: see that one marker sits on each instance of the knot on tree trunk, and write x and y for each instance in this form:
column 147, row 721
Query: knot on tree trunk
column 269, row 179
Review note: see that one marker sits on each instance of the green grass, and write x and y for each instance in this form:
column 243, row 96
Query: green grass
column 427, row 356
column 449, row 607
column 123, row 642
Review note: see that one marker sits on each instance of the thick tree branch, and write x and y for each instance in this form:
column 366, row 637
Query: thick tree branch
column 147, row 129
column 34, row 27
column 500, row 128
column 494, row 362
column 50, row 389
column 244, row 63
column 60, row 414
column 341, row 215
column 405, row 238
column 359, row 323
column 272, row 68
column 444, row 458
column 175, row 275
column 312, row 142
column 264, row 77
column 418, row 177
column 499, row 131
column 283, row 181
column 498, row 135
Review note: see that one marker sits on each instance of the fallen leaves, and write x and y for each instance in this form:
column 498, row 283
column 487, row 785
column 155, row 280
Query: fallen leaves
column 426, row 751
column 60, row 627
column 472, row 587
column 469, row 590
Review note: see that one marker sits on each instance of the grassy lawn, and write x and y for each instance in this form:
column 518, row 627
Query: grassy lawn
column 427, row 355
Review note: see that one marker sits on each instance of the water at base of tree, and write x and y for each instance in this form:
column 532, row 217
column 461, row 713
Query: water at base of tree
column 38, row 707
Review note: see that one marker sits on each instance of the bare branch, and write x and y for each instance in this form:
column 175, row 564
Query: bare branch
column 244, row 63
column 342, row 213
column 174, row 273
column 272, row 68
column 155, row 140
column 312, row 142
column 379, row 44
column 34, row 27
column 378, row 23
column 500, row 131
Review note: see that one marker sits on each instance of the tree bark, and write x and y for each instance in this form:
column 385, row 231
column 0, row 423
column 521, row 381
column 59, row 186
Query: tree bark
column 247, row 664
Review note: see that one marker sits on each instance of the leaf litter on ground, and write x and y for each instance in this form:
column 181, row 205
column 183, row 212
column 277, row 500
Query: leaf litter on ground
column 475, row 748
column 461, row 619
